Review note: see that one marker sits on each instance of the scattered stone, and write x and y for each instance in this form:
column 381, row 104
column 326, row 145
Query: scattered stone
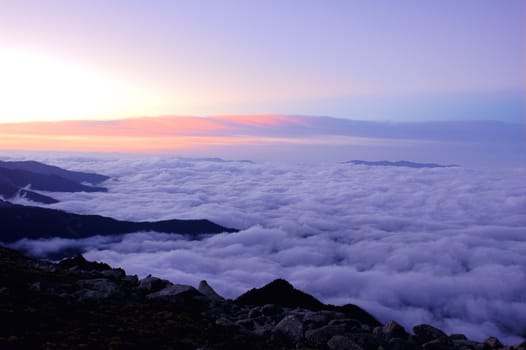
column 114, row 273
column 493, row 343
column 289, row 327
column 425, row 333
column 80, row 263
column 441, row 343
column 401, row 344
column 270, row 309
column 98, row 288
column 246, row 323
column 102, row 292
column 340, row 342
column 171, row 291
column 350, row 324
column 520, row 346
column 320, row 336
column 205, row 289
column 151, row 284
column 393, row 330
column 455, row 337
column 254, row 313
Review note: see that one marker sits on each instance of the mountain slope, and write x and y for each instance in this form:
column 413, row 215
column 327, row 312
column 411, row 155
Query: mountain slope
column 20, row 221
column 282, row 293
column 401, row 163
column 44, row 169
column 15, row 177
column 81, row 304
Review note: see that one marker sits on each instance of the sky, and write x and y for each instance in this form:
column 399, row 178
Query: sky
column 365, row 60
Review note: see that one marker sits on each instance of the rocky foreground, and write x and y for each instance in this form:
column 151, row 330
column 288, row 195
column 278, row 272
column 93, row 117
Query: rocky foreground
column 81, row 304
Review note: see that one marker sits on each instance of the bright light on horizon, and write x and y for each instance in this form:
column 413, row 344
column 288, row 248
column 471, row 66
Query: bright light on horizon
column 36, row 87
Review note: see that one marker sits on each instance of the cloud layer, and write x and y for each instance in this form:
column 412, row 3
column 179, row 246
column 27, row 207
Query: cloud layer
column 445, row 246
column 279, row 137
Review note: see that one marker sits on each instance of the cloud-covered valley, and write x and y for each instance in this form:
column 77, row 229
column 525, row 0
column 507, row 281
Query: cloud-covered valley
column 445, row 246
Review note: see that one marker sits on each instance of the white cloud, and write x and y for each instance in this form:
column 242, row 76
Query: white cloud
column 445, row 246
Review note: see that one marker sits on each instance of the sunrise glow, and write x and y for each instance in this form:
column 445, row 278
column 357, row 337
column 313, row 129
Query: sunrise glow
column 34, row 87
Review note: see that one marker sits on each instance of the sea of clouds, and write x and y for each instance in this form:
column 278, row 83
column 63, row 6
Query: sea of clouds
column 444, row 246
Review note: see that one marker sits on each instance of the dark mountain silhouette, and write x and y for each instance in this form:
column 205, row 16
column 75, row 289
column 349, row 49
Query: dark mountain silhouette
column 282, row 293
column 43, row 182
column 19, row 221
column 37, row 197
column 44, row 169
column 401, row 163
column 15, row 177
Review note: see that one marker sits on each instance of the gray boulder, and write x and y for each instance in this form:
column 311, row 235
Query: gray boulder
column 290, row 328
column 320, row 318
column 151, row 284
column 425, row 333
column 172, row 291
column 205, row 289
column 340, row 342
column 270, row 309
column 320, row 336
column 113, row 273
column 393, row 330
column 493, row 343
column 97, row 289
column 442, row 343
column 520, row 346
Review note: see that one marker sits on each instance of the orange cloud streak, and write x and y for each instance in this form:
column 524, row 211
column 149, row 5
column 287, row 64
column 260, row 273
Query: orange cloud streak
column 260, row 120
column 136, row 135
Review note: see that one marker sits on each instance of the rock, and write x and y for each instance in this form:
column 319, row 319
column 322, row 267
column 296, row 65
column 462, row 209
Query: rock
column 320, row 318
column 80, row 263
column 340, row 342
column 114, row 273
column 99, row 288
column 280, row 292
column 425, row 333
column 456, row 337
column 131, row 279
column 393, row 330
column 320, row 336
column 353, row 311
column 262, row 326
column 482, row 346
column 182, row 315
column 170, row 291
column 270, row 309
column 461, row 344
column 254, row 313
column 349, row 324
column 290, row 327
column 151, row 284
column 205, row 289
column 246, row 323
column 223, row 321
column 493, row 343
column 366, row 340
column 37, row 286
column 401, row 344
column 520, row 346
column 441, row 343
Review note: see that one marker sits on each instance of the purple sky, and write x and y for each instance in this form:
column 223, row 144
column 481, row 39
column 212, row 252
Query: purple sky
column 409, row 60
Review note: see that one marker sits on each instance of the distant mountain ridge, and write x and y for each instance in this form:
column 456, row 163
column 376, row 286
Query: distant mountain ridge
column 44, row 169
column 16, row 177
column 19, row 221
column 400, row 163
